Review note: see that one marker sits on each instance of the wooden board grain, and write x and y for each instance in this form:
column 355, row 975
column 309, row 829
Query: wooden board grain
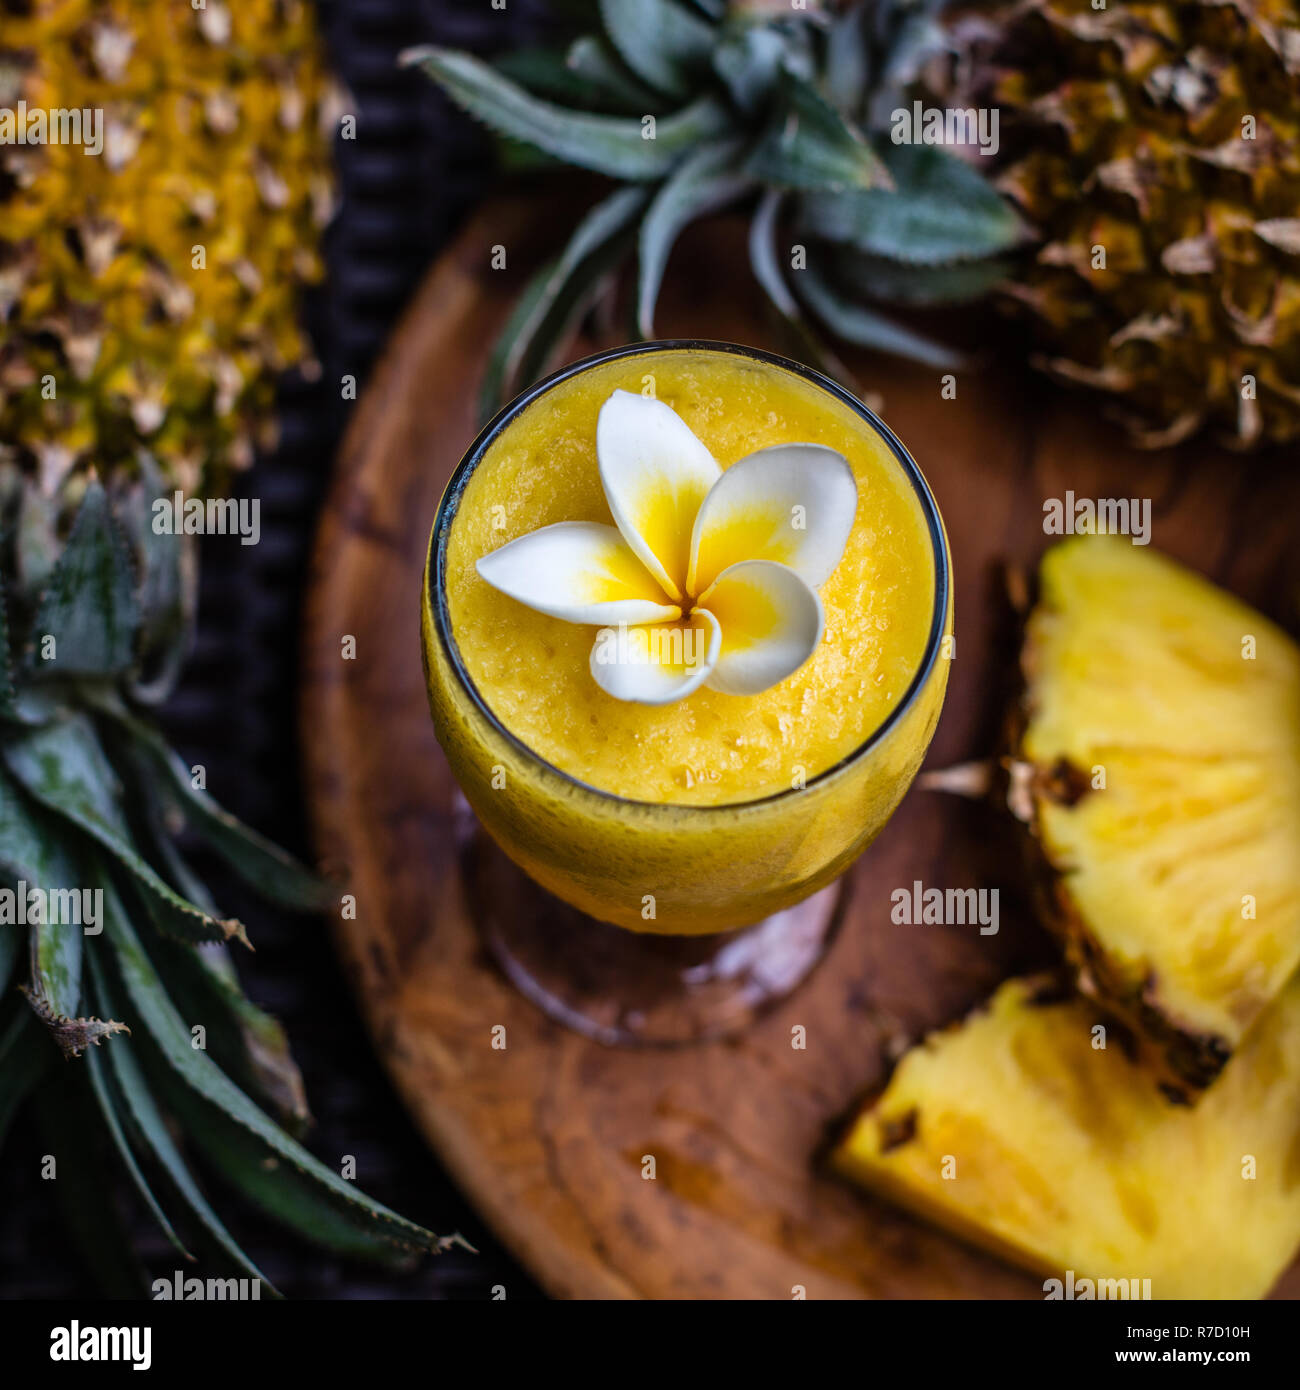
column 548, row 1136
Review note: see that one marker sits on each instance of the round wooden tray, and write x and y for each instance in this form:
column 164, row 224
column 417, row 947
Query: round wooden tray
column 548, row 1136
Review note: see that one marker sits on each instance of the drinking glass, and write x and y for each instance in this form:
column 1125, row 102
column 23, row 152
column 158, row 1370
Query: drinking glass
column 746, row 894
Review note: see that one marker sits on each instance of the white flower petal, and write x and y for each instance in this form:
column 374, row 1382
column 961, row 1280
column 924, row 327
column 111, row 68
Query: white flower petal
column 771, row 622
column 656, row 665
column 581, row 571
column 655, row 473
column 792, row 503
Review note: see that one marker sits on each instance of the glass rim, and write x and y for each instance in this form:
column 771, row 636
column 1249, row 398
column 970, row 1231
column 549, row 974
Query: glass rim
column 487, row 436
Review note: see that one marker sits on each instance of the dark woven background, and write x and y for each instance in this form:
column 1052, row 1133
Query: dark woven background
column 407, row 182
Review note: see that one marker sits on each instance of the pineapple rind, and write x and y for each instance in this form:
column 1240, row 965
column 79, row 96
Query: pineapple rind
column 1177, row 885
column 214, row 131
column 1065, row 1156
column 1169, row 135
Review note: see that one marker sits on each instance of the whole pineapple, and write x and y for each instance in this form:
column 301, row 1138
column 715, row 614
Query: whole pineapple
column 1156, row 147
column 148, row 292
column 147, row 295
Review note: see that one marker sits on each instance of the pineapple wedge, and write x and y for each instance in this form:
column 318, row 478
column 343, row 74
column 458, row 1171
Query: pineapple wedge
column 1064, row 1157
column 1158, row 767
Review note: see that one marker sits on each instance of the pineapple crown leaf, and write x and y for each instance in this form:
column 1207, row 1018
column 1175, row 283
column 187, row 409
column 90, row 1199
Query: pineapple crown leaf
column 293, row 1196
column 148, row 1123
column 609, row 145
column 749, row 59
column 942, row 212
column 594, row 60
column 767, row 271
column 71, row 1035
column 166, row 564
column 703, row 183
column 8, row 691
column 118, row 1113
column 10, row 949
column 71, row 1126
column 89, row 610
column 665, row 44
column 204, row 1079
column 589, row 76
column 879, row 277
column 253, row 1046
column 32, row 855
column 868, row 328
column 25, row 1051
column 560, row 289
column 63, row 767
column 809, row 144
column 765, row 100
column 264, row 866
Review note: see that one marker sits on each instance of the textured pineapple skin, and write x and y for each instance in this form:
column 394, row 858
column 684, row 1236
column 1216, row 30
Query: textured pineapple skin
column 1167, row 133
column 1175, row 888
column 156, row 283
column 1065, row 1157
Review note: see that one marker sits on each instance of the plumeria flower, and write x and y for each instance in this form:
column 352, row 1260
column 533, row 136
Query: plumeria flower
column 708, row 577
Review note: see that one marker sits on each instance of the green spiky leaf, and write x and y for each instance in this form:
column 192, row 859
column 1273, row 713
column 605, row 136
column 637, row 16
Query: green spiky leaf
column 923, row 285
column 62, row 765
column 748, row 59
column 611, row 145
column 264, row 866
column 766, row 266
column 30, row 847
column 33, row 856
column 662, row 42
column 557, row 292
column 72, row 1036
column 702, row 184
column 167, row 586
column 11, row 947
column 73, row 1137
column 941, row 212
column 848, row 62
column 594, row 62
column 546, row 74
column 277, row 1188
column 151, row 1126
column 196, row 1069
column 866, row 328
column 251, row 1046
column 111, row 1107
column 809, row 145
column 493, row 389
column 86, row 622
column 25, row 1056
column 7, row 690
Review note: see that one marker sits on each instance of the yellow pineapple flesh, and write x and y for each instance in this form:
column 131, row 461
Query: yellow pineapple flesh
column 1016, row 1131
column 1159, row 769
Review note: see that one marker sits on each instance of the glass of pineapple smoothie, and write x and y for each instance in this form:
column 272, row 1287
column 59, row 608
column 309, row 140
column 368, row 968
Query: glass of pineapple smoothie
column 681, row 707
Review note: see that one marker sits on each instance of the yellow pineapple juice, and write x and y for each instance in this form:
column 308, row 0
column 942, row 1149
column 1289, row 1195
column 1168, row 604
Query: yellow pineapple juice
column 717, row 810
